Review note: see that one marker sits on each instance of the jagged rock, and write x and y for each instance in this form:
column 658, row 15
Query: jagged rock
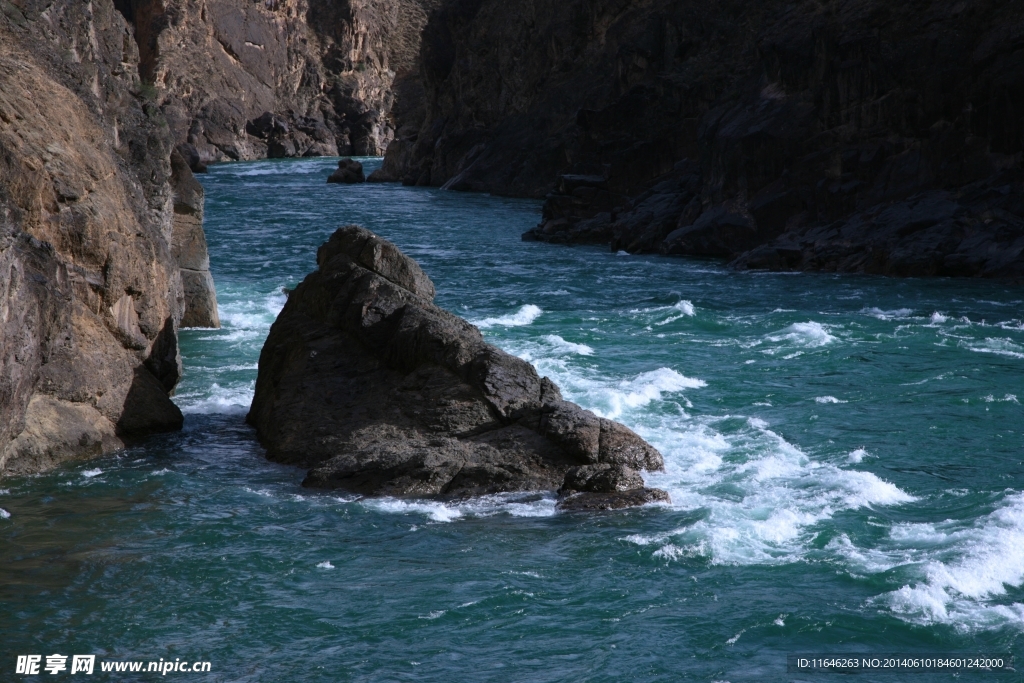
column 191, row 157
column 188, row 246
column 349, row 171
column 238, row 79
column 364, row 380
column 92, row 293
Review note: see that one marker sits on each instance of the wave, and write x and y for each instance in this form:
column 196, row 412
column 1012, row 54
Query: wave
column 535, row 504
column 888, row 315
column 613, row 398
column 524, row 316
column 966, row 567
column 215, row 399
column 1000, row 347
column 809, row 334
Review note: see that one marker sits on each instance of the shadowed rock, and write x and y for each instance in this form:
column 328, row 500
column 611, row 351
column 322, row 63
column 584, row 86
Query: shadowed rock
column 364, row 380
column 349, row 172
column 853, row 135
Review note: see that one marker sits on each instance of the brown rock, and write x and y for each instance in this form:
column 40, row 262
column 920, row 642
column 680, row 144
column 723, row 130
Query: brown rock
column 325, row 69
column 379, row 391
column 188, row 246
column 92, row 292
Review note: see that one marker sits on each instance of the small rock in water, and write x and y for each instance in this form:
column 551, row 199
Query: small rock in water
column 349, row 172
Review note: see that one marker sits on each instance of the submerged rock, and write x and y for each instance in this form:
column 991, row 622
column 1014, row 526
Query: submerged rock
column 376, row 389
column 349, row 172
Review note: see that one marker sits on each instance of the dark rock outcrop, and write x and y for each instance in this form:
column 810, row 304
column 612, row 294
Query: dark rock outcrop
column 349, row 171
column 91, row 291
column 797, row 134
column 364, row 380
column 237, row 79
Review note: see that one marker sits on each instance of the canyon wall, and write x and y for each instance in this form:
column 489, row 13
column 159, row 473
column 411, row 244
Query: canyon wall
column 855, row 135
column 91, row 293
column 245, row 79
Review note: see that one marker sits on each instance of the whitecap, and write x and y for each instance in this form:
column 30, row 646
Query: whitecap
column 1001, row 347
column 685, row 309
column 809, row 334
column 612, row 399
column 938, row 318
column 326, row 564
column 524, row 316
column 887, row 315
column 435, row 614
column 969, row 565
column 857, row 456
column 757, row 506
column 217, row 399
column 732, row 641
column 4, row 514
column 528, row 504
column 92, row 473
column 559, row 345
column 828, row 399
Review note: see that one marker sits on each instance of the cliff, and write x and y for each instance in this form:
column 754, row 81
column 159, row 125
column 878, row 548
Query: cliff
column 91, row 293
column 856, row 135
column 238, row 79
column 363, row 379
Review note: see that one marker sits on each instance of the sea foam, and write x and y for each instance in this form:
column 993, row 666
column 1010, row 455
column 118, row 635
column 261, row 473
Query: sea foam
column 809, row 334
column 969, row 565
column 524, row 316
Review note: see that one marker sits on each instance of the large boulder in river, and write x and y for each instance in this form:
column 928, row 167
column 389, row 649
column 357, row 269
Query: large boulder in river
column 380, row 392
column 349, row 172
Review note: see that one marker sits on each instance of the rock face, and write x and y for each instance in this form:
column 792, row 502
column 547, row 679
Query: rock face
column 237, row 79
column 188, row 246
column 91, row 293
column 364, row 380
column 349, row 171
column 857, row 135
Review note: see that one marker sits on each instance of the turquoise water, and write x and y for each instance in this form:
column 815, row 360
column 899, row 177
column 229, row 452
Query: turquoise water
column 844, row 456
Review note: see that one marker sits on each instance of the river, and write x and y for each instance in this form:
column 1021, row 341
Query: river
column 844, row 455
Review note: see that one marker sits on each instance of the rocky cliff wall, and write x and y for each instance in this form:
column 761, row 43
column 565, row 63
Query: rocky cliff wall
column 245, row 79
column 827, row 134
column 90, row 291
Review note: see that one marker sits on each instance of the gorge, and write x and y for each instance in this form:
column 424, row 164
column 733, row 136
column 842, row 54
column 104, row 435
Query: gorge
column 774, row 248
